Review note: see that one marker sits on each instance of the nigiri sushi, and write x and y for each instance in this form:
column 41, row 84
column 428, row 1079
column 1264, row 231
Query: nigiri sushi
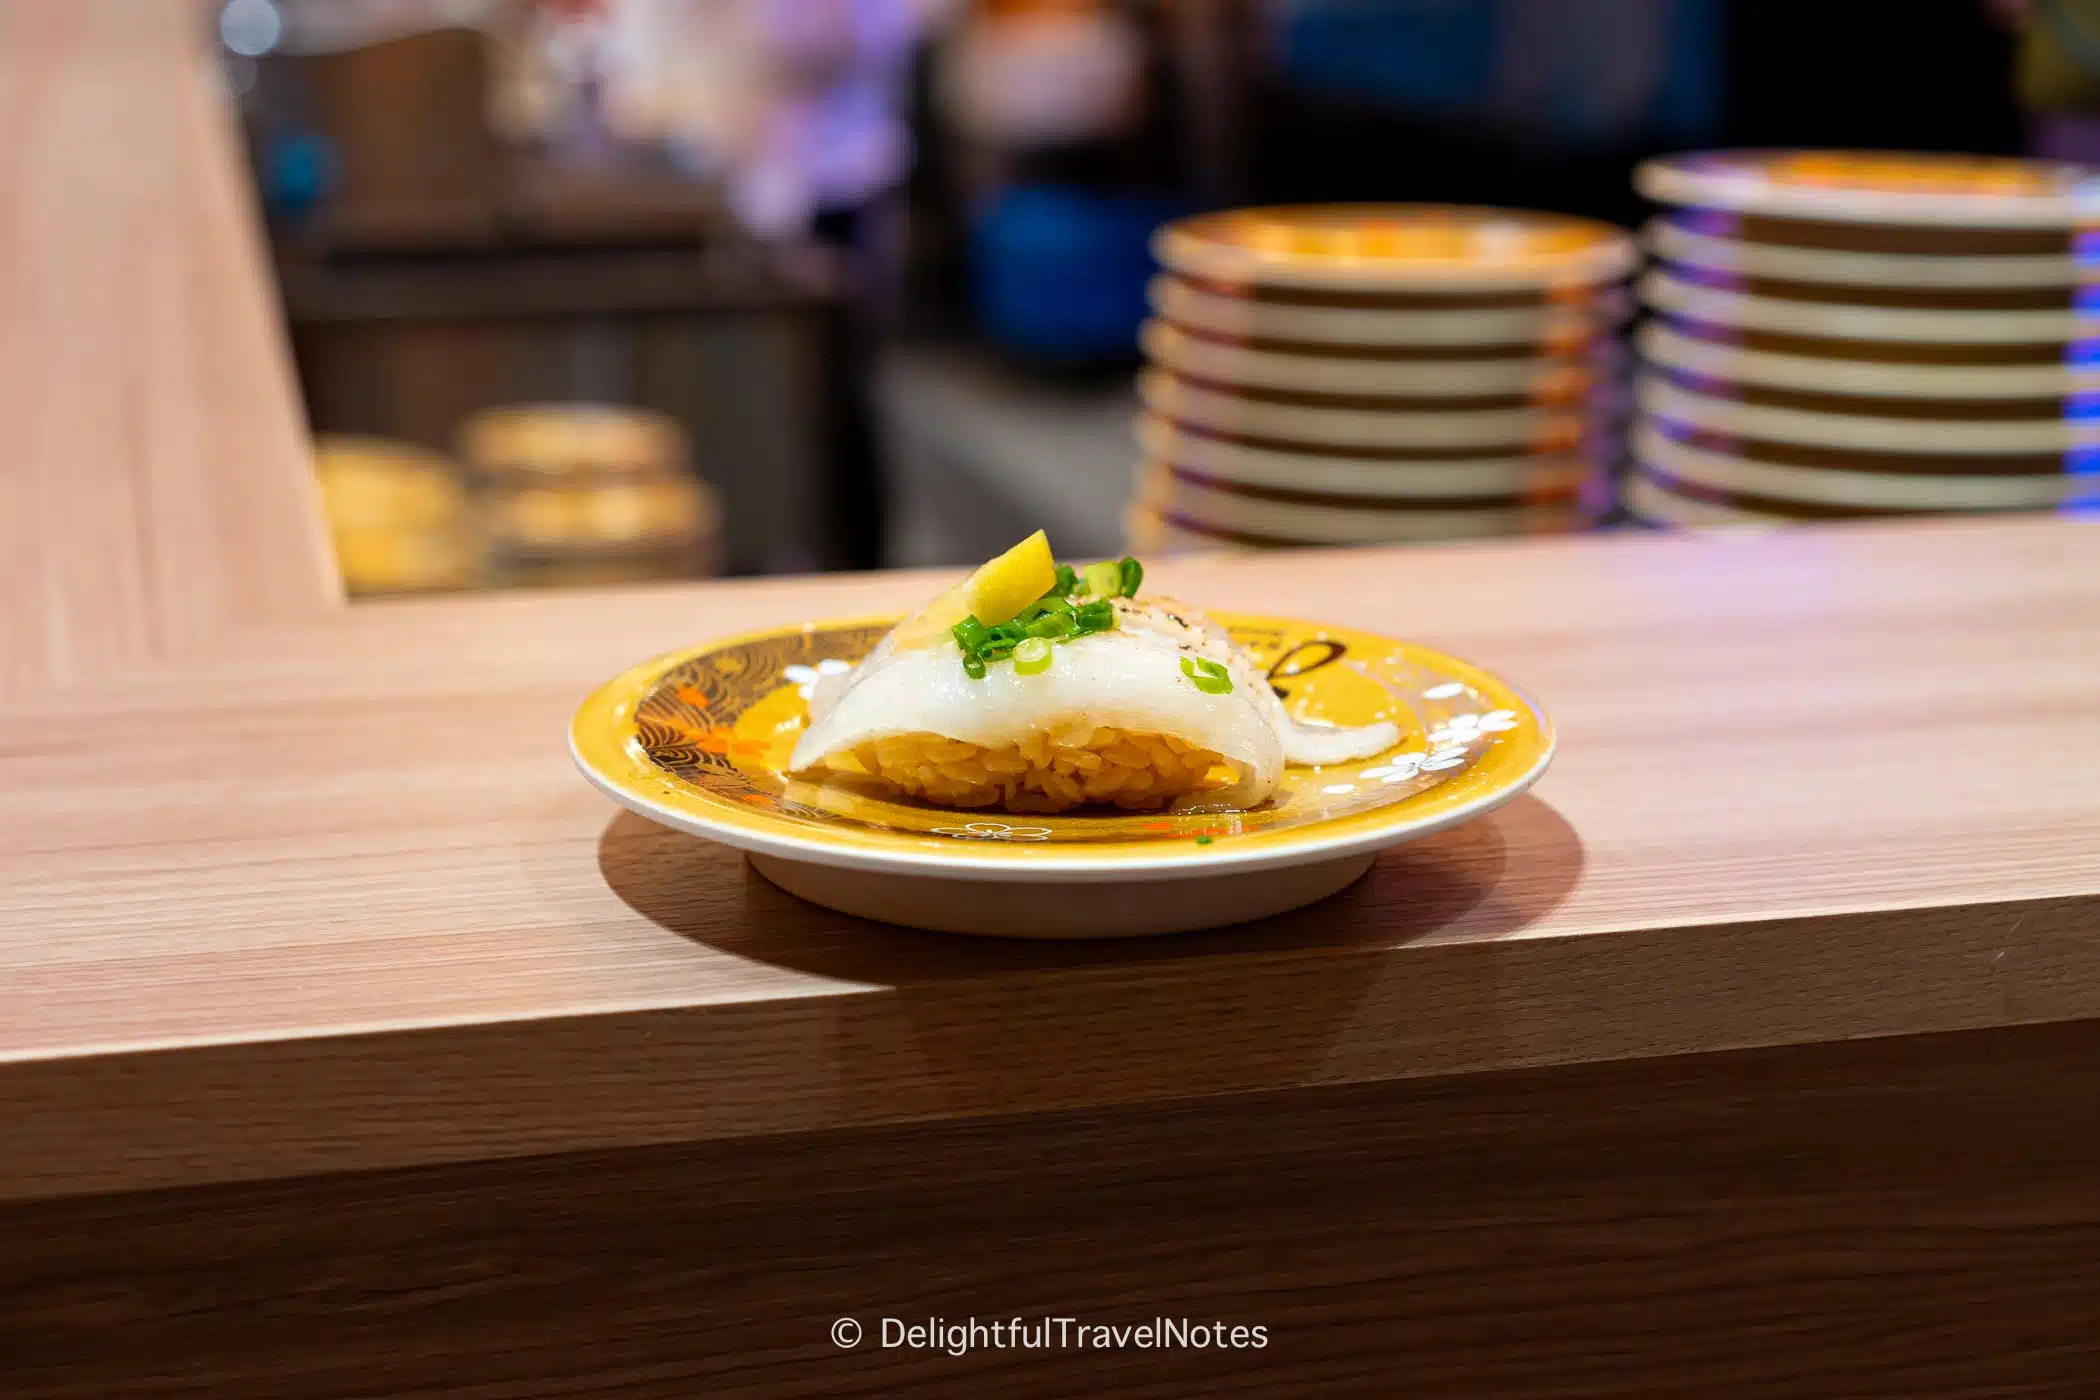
column 1032, row 687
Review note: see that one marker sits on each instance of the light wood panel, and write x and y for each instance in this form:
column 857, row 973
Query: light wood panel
column 343, row 885
column 153, row 482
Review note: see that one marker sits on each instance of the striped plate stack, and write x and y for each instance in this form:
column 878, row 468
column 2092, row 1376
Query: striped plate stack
column 1364, row 374
column 1839, row 335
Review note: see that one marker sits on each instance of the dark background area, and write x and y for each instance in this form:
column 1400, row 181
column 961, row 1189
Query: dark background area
column 1932, row 75
column 435, row 267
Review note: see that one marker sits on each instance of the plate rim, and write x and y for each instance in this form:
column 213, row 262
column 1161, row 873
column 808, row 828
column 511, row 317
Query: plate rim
column 1192, row 247
column 1175, row 348
column 1346, row 477
column 1658, row 397
column 1345, row 521
column 1841, row 486
column 1668, row 241
column 1191, row 307
column 1733, row 179
column 1178, row 399
column 1661, row 289
column 1659, row 343
column 988, row 860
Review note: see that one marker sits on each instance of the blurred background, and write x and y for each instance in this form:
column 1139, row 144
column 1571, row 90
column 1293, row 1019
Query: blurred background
column 604, row 290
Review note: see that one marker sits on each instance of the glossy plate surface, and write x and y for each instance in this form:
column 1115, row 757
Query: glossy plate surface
column 1397, row 247
column 698, row 740
column 1878, row 187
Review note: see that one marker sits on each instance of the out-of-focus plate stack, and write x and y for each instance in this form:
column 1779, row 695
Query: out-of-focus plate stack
column 1368, row 374
column 1843, row 335
column 399, row 514
column 589, row 493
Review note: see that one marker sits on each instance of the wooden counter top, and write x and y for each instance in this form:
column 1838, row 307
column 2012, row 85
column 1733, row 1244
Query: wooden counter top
column 331, row 896
column 292, row 887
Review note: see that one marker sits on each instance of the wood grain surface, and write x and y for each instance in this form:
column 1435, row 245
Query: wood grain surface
column 1911, row 1219
column 290, row 888
column 332, row 897
column 154, row 487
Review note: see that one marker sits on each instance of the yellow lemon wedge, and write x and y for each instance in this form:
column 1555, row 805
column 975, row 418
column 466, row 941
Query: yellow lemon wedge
column 998, row 590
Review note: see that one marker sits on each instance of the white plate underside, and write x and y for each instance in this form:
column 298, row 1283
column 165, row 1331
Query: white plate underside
column 1665, row 292
column 1516, row 428
column 1864, row 490
column 1309, row 523
column 1175, row 349
column 1658, row 505
column 1863, row 269
column 1367, row 477
column 1662, row 345
column 1851, row 432
column 1244, row 318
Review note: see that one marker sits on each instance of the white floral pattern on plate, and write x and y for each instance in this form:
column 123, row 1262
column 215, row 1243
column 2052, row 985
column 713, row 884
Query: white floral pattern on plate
column 994, row 831
column 1464, row 729
column 805, row 678
column 1414, row 765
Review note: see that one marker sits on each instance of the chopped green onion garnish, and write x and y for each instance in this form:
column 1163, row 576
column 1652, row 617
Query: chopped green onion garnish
column 1105, row 579
column 1047, row 606
column 1203, row 840
column 1207, row 676
column 1054, row 625
column 1032, row 657
column 1133, row 575
column 1097, row 616
column 1050, row 618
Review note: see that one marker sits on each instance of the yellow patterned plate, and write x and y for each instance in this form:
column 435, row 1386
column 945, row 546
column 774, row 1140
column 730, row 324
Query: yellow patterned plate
column 698, row 740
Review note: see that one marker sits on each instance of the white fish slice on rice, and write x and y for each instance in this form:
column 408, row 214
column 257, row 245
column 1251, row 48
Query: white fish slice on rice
column 1128, row 679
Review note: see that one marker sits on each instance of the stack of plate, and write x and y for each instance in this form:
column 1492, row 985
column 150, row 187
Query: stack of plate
column 1851, row 335
column 1360, row 374
column 399, row 515
column 589, row 493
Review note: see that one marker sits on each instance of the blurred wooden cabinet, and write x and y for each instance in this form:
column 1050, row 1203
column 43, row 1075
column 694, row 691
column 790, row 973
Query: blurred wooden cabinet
column 744, row 356
column 446, row 272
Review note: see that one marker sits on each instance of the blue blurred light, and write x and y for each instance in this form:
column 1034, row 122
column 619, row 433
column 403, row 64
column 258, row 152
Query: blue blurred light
column 299, row 172
column 1059, row 273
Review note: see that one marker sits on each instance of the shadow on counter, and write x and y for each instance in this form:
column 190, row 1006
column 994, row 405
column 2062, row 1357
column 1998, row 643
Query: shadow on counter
column 1401, row 972
column 1486, row 879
